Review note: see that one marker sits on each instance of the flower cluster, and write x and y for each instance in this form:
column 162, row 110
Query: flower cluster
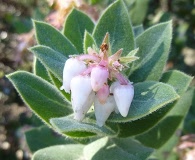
column 96, row 78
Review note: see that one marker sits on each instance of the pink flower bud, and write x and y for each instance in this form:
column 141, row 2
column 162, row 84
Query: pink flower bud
column 103, row 93
column 72, row 68
column 103, row 111
column 79, row 112
column 99, row 76
column 123, row 95
column 80, row 91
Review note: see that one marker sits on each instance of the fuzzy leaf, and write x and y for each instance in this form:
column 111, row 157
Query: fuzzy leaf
column 40, row 70
column 148, row 97
column 115, row 149
column 154, row 45
column 115, row 20
column 157, row 136
column 88, row 41
column 75, row 25
column 86, row 128
column 144, row 124
column 58, row 84
column 42, row 137
column 60, row 152
column 52, row 59
column 49, row 36
column 180, row 81
column 129, row 57
column 42, row 97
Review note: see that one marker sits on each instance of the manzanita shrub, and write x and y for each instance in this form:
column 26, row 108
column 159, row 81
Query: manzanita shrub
column 103, row 88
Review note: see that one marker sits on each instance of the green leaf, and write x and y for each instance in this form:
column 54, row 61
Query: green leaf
column 86, row 128
column 116, row 149
column 144, row 124
column 88, row 41
column 42, row 97
column 75, row 25
column 40, row 70
column 148, row 97
column 49, row 36
column 167, row 150
column 42, row 137
column 60, row 152
column 137, row 30
column 138, row 11
column 157, row 136
column 115, row 20
column 52, row 59
column 58, row 84
column 129, row 57
column 154, row 45
column 179, row 80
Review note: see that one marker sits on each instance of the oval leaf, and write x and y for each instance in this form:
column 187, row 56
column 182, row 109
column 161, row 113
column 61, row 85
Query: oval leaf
column 115, row 20
column 115, row 149
column 44, row 137
column 87, row 128
column 42, row 97
column 75, row 25
column 60, row 152
column 49, row 36
column 52, row 59
column 154, row 45
column 148, row 97
column 157, row 136
column 144, row 124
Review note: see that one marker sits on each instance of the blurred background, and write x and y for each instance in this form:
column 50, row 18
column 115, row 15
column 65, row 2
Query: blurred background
column 16, row 35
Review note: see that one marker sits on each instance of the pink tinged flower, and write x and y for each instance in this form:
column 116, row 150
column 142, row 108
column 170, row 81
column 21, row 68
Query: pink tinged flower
column 72, row 68
column 123, row 95
column 80, row 92
column 103, row 93
column 99, row 76
column 80, row 111
column 103, row 111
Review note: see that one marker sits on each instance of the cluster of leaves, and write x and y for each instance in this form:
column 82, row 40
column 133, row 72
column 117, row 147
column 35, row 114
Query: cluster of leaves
column 159, row 106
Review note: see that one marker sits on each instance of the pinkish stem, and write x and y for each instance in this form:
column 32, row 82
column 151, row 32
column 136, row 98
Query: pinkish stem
column 121, row 79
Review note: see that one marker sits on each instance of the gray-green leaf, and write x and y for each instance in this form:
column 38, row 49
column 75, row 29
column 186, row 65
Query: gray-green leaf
column 49, row 36
column 42, row 137
column 86, row 128
column 42, row 97
column 157, row 136
column 154, row 45
column 116, row 149
column 60, row 152
column 52, row 59
column 144, row 124
column 75, row 25
column 115, row 20
column 148, row 97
